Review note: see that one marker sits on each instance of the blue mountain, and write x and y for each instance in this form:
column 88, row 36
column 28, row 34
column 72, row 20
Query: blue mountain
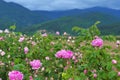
column 30, row 21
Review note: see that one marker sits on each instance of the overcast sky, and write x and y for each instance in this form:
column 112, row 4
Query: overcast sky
column 66, row 4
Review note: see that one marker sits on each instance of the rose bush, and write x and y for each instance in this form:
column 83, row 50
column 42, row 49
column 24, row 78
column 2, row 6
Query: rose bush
column 57, row 57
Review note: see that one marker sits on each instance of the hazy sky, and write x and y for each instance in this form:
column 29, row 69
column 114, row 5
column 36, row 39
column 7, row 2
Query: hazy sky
column 66, row 4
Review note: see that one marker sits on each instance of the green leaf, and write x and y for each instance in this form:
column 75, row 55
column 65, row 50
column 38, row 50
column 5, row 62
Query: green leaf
column 112, row 74
column 13, row 27
column 19, row 67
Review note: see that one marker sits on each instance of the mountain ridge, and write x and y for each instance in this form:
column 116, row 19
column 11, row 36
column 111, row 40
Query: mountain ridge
column 30, row 20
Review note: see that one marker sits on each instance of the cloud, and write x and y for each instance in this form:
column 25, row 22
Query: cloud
column 66, row 4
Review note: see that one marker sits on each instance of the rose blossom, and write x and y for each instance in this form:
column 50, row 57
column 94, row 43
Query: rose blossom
column 47, row 58
column 85, row 71
column 36, row 64
column 69, row 37
column 26, row 50
column 1, row 38
column 33, row 43
column 74, row 57
column 64, row 33
column 98, row 42
column 44, row 35
column 30, row 78
column 52, row 43
column 0, row 50
column 2, row 53
column 1, row 31
column 42, row 69
column 118, row 42
column 114, row 61
column 118, row 73
column 66, row 54
column 57, row 33
column 15, row 75
column 21, row 39
column 12, row 63
column 6, row 31
column 94, row 75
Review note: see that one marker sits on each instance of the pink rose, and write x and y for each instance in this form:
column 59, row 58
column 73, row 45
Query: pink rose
column 12, row 63
column 33, row 43
column 26, row 50
column 66, row 54
column 1, row 38
column 118, row 73
column 47, row 58
column 30, row 78
column 2, row 53
column 74, row 58
column 98, row 42
column 21, row 39
column 57, row 33
column 85, row 71
column 118, row 42
column 36, row 64
column 114, row 61
column 95, row 75
column 15, row 75
column 44, row 35
column 64, row 33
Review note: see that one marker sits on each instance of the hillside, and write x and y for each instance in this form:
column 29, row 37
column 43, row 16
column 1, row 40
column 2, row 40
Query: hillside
column 110, row 21
column 12, row 13
column 28, row 21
